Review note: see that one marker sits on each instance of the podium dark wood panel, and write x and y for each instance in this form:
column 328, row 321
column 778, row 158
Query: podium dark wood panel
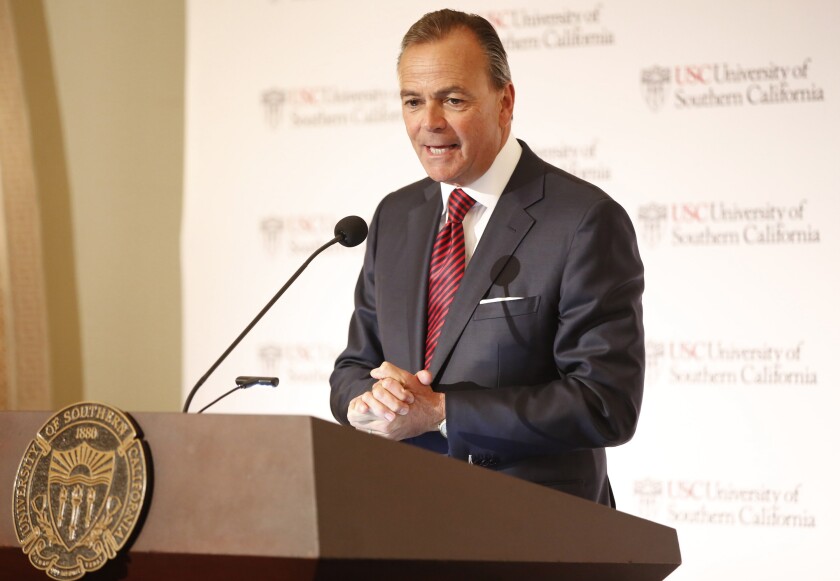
column 292, row 497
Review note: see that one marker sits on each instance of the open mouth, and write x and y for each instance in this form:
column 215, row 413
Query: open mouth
column 440, row 149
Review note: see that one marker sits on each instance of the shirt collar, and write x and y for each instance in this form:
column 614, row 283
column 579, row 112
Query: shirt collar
column 487, row 189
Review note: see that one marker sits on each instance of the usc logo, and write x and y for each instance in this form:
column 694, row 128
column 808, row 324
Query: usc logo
column 694, row 74
column 691, row 213
column 690, row 490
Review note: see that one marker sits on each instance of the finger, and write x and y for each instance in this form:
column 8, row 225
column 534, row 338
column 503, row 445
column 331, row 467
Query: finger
column 377, row 408
column 396, row 402
column 397, row 389
column 378, row 373
column 396, row 385
column 390, row 370
column 357, row 406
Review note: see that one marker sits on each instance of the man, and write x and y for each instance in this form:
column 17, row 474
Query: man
column 530, row 359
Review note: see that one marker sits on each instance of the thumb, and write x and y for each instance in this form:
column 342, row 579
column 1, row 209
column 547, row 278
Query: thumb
column 425, row 377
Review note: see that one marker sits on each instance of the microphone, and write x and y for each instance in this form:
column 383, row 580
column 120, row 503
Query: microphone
column 244, row 382
column 353, row 231
column 349, row 231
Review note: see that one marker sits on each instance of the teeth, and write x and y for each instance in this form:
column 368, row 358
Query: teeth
column 438, row 150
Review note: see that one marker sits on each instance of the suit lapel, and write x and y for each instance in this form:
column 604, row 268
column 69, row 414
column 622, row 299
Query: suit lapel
column 508, row 225
column 421, row 229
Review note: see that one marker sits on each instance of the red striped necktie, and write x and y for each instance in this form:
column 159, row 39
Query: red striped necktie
column 446, row 268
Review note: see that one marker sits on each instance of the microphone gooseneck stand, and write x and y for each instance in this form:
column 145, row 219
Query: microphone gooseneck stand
column 350, row 231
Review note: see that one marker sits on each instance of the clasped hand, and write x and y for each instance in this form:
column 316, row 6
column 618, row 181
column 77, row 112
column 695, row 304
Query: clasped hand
column 400, row 404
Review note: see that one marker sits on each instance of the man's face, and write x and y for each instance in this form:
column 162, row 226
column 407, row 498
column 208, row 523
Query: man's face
column 456, row 119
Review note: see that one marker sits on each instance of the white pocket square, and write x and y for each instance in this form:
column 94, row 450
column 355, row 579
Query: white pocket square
column 499, row 299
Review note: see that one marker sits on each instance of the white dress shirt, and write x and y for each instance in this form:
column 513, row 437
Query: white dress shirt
column 486, row 191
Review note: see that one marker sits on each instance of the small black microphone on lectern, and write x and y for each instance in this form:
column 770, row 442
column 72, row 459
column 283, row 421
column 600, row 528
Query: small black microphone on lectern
column 349, row 231
column 246, row 381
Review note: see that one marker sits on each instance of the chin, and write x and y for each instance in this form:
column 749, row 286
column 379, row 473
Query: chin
column 437, row 175
column 446, row 179
column 441, row 175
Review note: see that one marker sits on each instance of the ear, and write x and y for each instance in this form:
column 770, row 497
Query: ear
column 506, row 98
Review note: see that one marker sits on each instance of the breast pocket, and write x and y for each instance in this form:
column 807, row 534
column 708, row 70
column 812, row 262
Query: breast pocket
column 511, row 308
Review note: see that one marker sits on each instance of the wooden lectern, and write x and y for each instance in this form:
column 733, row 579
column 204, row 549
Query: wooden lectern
column 289, row 497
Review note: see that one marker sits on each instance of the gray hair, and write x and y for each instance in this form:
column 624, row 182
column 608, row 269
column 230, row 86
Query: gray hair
column 438, row 25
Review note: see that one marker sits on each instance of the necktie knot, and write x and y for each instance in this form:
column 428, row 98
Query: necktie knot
column 459, row 204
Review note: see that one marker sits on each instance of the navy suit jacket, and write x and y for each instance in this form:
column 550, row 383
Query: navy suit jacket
column 535, row 387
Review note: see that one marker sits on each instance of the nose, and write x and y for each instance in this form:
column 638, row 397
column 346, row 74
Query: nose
column 433, row 117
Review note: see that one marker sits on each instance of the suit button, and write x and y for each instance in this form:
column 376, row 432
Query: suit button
column 485, row 461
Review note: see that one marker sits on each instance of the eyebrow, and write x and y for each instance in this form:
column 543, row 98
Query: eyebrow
column 439, row 93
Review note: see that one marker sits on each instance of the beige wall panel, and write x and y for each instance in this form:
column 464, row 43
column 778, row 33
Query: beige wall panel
column 119, row 76
column 25, row 353
column 54, row 195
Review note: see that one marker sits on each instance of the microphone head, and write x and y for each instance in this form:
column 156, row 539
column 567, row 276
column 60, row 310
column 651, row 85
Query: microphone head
column 352, row 230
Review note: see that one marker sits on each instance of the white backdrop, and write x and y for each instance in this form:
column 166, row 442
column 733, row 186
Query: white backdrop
column 715, row 124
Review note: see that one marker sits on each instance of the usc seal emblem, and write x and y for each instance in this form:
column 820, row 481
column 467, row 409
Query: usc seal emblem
column 79, row 490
